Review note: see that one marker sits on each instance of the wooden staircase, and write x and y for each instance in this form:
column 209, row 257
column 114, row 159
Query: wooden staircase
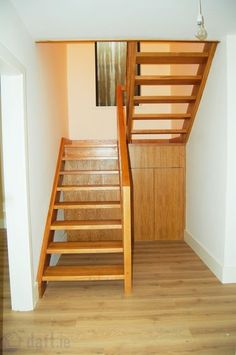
column 90, row 197
column 188, row 64
column 92, row 189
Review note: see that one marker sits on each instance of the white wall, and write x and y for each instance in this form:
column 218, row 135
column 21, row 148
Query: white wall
column 46, row 122
column 210, row 175
column 86, row 121
column 229, row 274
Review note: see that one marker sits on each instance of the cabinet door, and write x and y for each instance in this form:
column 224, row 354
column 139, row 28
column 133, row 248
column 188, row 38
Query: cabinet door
column 143, row 204
column 169, row 203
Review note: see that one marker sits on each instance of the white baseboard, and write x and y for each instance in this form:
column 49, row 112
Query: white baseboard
column 226, row 274
column 229, row 274
column 213, row 264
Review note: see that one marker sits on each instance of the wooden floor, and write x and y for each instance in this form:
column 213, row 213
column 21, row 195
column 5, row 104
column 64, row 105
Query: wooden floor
column 177, row 307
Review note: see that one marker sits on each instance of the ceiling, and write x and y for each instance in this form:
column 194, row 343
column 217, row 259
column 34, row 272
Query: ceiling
column 93, row 19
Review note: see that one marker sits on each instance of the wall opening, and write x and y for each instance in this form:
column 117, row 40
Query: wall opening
column 15, row 166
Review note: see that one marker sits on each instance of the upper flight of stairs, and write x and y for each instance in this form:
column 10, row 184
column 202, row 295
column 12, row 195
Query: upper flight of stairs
column 187, row 64
column 86, row 200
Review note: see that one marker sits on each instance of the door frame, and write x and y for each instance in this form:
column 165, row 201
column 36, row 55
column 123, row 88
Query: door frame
column 16, row 182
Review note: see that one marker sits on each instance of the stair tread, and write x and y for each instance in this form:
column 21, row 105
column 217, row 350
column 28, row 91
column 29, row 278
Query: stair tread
column 167, row 79
column 87, row 187
column 164, row 99
column 159, row 131
column 85, row 247
column 81, row 157
column 80, row 273
column 92, row 144
column 86, row 204
column 88, row 172
column 171, row 57
column 86, row 225
column 162, row 116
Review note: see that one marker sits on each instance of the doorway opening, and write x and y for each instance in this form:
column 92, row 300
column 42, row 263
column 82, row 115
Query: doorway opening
column 16, row 187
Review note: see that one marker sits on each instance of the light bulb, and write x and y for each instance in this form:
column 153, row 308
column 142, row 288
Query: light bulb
column 201, row 31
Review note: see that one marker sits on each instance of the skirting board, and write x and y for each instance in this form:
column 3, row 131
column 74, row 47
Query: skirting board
column 225, row 274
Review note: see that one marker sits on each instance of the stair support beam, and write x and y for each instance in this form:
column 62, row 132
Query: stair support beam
column 126, row 216
column 51, row 216
column 131, row 72
column 203, row 70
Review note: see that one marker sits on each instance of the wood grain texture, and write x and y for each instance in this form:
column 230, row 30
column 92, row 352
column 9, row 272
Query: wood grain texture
column 158, row 131
column 156, row 156
column 169, row 203
column 125, row 184
column 163, row 99
column 86, row 225
column 177, row 307
column 171, row 57
column 167, row 79
column 131, row 71
column 158, row 174
column 84, row 273
column 143, row 204
column 96, row 188
column 85, row 247
column 163, row 116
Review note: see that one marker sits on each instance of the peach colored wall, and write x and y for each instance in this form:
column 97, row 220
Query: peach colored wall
column 53, row 65
column 86, row 121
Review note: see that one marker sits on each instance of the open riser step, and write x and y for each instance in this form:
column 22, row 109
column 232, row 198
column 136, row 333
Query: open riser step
column 165, row 84
column 86, row 208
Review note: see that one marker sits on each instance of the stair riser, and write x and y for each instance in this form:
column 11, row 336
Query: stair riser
column 92, row 195
column 88, row 207
column 114, row 227
column 91, row 179
column 93, row 214
column 83, row 278
column 94, row 152
column 91, row 165
column 95, row 251
column 92, row 144
column 94, row 235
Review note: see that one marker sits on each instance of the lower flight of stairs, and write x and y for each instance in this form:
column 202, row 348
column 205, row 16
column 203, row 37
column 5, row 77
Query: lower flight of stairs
column 86, row 205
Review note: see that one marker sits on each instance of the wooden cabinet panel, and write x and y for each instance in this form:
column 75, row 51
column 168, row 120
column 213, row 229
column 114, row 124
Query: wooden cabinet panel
column 158, row 173
column 143, row 204
column 169, row 203
column 156, row 156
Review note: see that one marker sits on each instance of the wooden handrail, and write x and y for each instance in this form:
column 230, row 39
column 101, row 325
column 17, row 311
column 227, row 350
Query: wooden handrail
column 48, row 234
column 121, row 131
column 125, row 190
column 130, row 83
